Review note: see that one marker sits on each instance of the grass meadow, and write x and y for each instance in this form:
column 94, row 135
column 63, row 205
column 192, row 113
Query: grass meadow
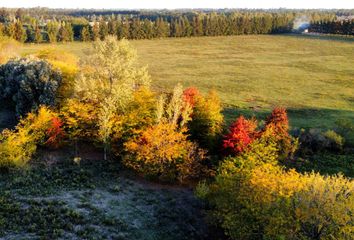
column 312, row 77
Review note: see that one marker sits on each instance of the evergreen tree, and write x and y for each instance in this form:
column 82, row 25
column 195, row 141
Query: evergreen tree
column 63, row 35
column 103, row 29
column 69, row 31
column 38, row 38
column 123, row 29
column 85, row 34
column 19, row 14
column 197, row 25
column 2, row 29
column 52, row 31
column 4, row 15
column 161, row 28
column 30, row 33
column 148, row 29
column 95, row 31
column 112, row 27
column 187, row 28
column 20, row 33
column 136, row 31
column 10, row 30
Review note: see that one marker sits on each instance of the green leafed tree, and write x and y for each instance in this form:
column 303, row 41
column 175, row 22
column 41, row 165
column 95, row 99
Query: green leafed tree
column 111, row 70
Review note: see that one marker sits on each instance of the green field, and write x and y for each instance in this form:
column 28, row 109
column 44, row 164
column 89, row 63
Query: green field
column 312, row 77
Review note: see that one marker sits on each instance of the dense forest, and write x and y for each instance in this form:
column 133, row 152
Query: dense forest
column 343, row 27
column 51, row 25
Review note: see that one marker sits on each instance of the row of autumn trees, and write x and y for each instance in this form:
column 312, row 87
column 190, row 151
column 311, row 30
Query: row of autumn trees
column 205, row 24
column 175, row 136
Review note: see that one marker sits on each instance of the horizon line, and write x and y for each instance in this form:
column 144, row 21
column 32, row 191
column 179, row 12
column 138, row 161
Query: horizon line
column 206, row 8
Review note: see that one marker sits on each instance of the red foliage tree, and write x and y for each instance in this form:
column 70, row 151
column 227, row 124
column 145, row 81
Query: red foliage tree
column 190, row 94
column 242, row 133
column 279, row 121
column 55, row 133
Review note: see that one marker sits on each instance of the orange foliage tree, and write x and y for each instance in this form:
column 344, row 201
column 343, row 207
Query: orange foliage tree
column 190, row 94
column 162, row 151
column 279, row 123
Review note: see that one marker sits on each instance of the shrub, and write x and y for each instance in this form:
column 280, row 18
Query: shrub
column 55, row 133
column 116, row 127
column 242, row 132
column 28, row 84
column 207, row 121
column 172, row 109
column 324, row 207
column 45, row 127
column 255, row 198
column 190, row 94
column 17, row 146
column 80, row 119
column 278, row 121
column 139, row 114
column 345, row 127
column 334, row 141
column 162, row 151
column 229, row 193
column 314, row 140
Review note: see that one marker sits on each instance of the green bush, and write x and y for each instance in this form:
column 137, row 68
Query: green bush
column 314, row 140
column 28, row 83
column 334, row 141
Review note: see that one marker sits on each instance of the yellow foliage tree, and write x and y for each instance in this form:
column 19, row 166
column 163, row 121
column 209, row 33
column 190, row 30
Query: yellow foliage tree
column 207, row 120
column 18, row 146
column 80, row 120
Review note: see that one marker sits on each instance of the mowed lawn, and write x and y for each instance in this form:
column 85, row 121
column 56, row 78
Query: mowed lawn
column 312, row 77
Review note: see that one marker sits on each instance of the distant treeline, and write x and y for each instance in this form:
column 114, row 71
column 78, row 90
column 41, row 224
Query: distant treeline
column 51, row 25
column 344, row 27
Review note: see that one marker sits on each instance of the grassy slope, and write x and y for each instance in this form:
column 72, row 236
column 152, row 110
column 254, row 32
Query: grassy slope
column 313, row 78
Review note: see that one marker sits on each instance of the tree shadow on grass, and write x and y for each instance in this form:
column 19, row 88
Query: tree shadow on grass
column 7, row 118
column 340, row 38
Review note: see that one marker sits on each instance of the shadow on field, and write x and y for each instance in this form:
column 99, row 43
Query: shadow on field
column 7, row 119
column 322, row 37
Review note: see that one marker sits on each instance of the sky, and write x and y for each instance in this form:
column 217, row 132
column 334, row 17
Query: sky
column 174, row 4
